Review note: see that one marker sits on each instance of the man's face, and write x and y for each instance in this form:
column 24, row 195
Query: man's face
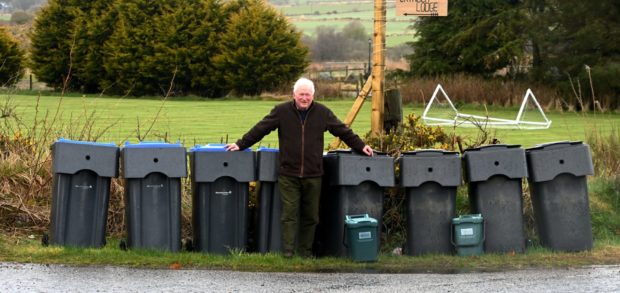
column 303, row 97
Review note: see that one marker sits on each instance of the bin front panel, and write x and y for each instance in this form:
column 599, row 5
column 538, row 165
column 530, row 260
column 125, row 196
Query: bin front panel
column 153, row 208
column 347, row 168
column 430, row 209
column 220, row 215
column 138, row 162
column 484, row 162
column 417, row 168
column 210, row 166
column 267, row 166
column 79, row 209
column 547, row 161
column 269, row 214
column 69, row 157
column 562, row 213
column 499, row 200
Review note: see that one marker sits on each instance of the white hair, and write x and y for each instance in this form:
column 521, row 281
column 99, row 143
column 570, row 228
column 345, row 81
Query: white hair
column 303, row 82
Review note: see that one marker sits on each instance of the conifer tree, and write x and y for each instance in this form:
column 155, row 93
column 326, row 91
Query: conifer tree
column 11, row 59
column 260, row 49
column 52, row 42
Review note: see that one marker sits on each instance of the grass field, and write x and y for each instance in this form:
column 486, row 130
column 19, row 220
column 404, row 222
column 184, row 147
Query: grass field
column 308, row 16
column 211, row 121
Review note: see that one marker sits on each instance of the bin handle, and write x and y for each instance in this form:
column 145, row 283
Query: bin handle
column 344, row 236
column 349, row 217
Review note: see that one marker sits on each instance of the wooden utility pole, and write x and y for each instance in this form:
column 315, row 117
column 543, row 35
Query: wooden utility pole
column 376, row 80
column 357, row 105
column 378, row 68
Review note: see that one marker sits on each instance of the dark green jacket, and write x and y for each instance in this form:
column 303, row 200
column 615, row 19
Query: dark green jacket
column 301, row 144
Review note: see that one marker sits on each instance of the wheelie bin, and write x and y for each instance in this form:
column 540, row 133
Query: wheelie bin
column 430, row 179
column 269, row 201
column 559, row 190
column 82, row 173
column 353, row 184
column 494, row 174
column 220, row 194
column 153, row 172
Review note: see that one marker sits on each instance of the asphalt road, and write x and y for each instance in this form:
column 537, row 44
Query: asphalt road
column 60, row 278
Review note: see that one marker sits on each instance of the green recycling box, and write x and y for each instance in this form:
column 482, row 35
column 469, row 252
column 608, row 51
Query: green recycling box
column 361, row 237
column 468, row 234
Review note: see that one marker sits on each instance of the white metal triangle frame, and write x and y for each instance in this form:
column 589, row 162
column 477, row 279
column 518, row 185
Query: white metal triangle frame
column 466, row 120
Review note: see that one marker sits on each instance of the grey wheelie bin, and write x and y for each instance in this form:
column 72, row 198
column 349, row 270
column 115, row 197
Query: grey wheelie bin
column 269, row 201
column 153, row 172
column 220, row 194
column 430, row 178
column 81, row 192
column 353, row 184
column 494, row 174
column 559, row 190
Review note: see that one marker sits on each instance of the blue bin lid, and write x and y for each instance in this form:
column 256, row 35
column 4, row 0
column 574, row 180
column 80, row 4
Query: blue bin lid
column 212, row 147
column 266, row 149
column 63, row 140
column 151, row 144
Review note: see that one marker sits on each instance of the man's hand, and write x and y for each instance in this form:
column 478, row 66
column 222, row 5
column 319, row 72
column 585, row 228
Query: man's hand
column 232, row 147
column 367, row 150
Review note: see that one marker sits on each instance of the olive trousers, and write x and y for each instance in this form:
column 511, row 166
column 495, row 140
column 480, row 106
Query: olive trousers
column 300, row 210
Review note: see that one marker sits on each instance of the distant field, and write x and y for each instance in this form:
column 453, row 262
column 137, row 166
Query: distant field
column 405, row 35
column 210, row 121
column 5, row 16
column 307, row 17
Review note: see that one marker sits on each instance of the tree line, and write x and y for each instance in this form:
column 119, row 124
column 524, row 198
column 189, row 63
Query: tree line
column 565, row 43
column 211, row 47
column 140, row 47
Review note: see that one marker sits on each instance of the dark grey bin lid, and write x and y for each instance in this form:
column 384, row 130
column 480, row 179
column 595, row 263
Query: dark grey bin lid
column 546, row 161
column 268, row 163
column 499, row 159
column 145, row 158
column 419, row 167
column 71, row 156
column 352, row 168
column 208, row 166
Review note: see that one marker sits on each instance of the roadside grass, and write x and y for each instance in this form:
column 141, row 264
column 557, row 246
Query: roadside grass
column 23, row 249
column 200, row 121
column 126, row 118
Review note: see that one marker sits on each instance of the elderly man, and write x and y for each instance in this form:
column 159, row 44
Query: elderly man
column 301, row 124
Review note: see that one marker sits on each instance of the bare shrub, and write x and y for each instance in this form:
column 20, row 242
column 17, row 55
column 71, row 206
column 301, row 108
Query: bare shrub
column 475, row 90
column 411, row 135
column 605, row 147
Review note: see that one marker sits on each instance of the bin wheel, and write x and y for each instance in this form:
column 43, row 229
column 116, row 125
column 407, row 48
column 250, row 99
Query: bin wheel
column 123, row 245
column 45, row 240
column 189, row 245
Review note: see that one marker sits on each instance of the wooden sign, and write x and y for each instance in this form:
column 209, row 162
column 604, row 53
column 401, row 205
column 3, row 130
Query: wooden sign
column 422, row 7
